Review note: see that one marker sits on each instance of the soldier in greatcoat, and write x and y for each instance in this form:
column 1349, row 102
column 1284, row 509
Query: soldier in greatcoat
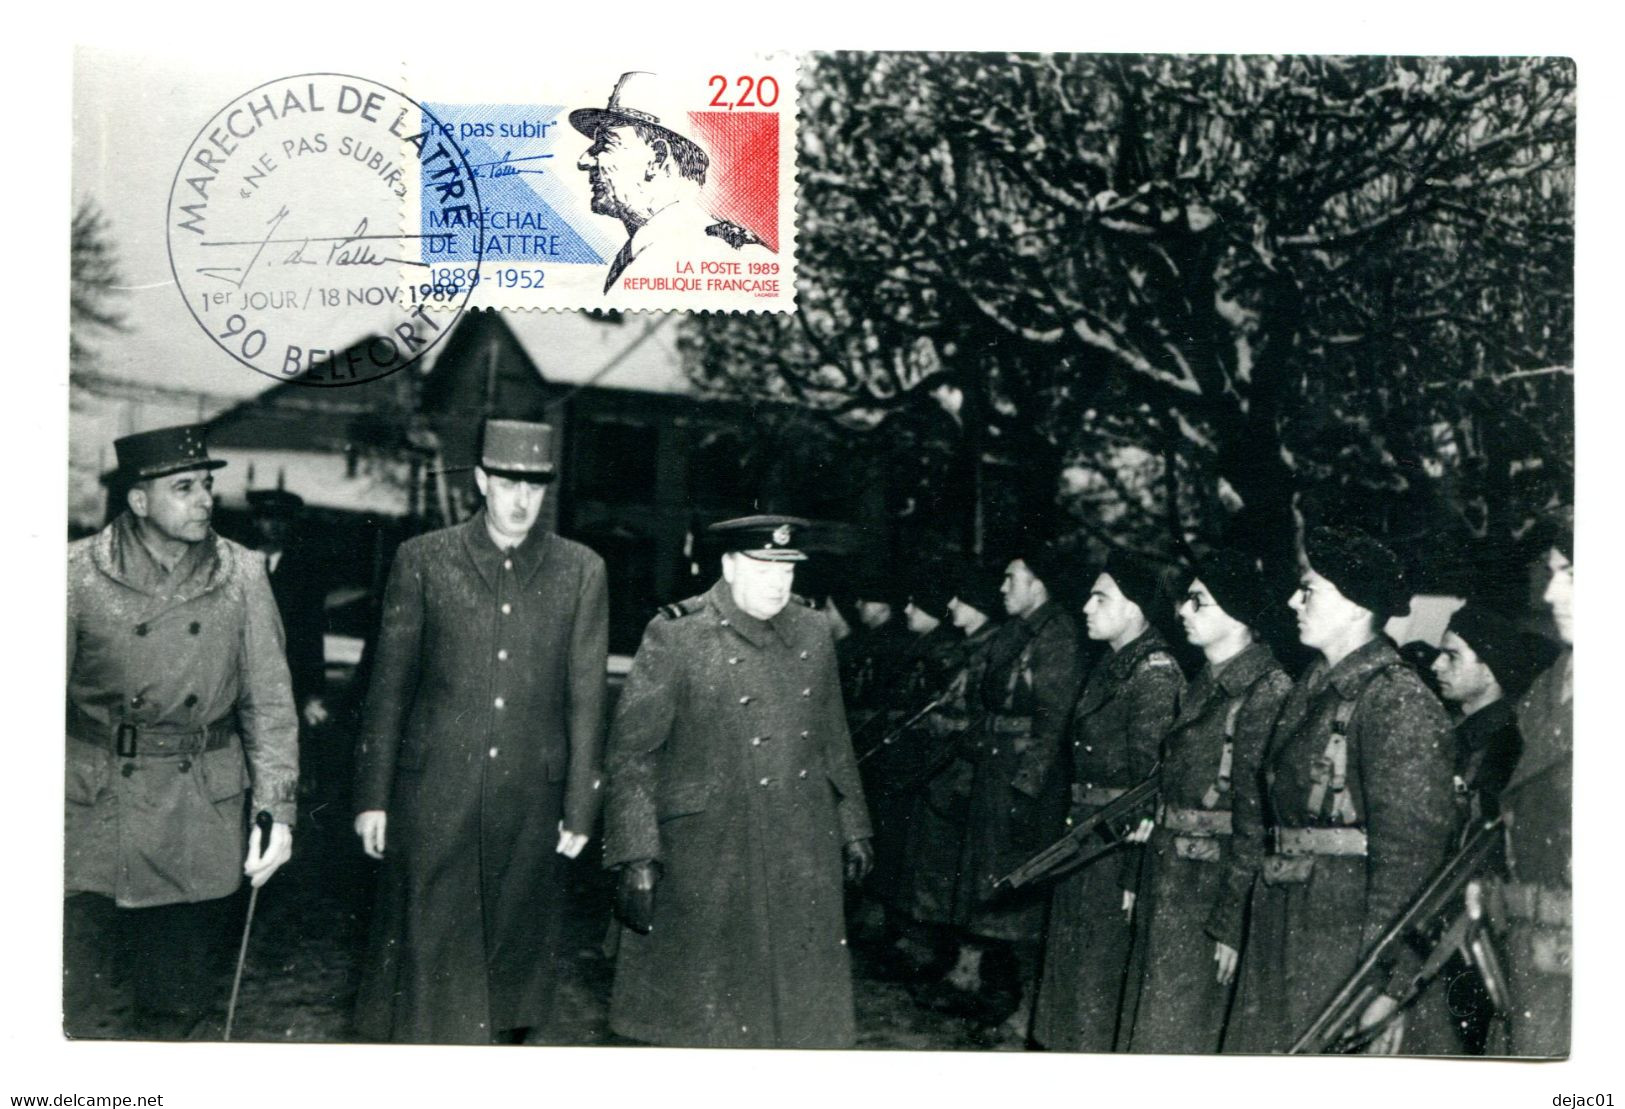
column 734, row 804
column 1204, row 847
column 1358, row 787
column 936, row 836
column 1115, row 739
column 479, row 759
column 178, row 703
column 1015, row 807
column 1533, row 906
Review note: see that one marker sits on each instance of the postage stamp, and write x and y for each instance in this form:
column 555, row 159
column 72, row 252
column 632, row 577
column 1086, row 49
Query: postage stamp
column 615, row 187
column 284, row 228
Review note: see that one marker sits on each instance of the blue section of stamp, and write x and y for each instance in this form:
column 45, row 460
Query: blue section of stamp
column 521, row 154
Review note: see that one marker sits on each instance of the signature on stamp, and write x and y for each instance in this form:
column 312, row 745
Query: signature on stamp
column 284, row 228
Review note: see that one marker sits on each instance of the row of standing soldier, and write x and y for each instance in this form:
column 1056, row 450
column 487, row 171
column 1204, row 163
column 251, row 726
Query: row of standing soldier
column 1293, row 823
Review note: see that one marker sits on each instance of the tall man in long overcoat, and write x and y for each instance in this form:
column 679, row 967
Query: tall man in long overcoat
column 479, row 759
column 178, row 702
column 1357, row 780
column 733, row 802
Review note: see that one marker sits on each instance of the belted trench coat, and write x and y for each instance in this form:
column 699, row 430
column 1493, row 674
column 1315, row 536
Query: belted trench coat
column 166, row 655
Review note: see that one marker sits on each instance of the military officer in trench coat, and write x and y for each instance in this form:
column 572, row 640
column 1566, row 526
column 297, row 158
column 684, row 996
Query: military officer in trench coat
column 1357, row 782
column 178, row 702
column 733, row 801
column 1115, row 737
column 478, row 764
column 1202, row 849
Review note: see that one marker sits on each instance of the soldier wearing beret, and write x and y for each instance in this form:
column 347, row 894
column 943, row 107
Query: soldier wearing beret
column 1204, row 847
column 178, row 703
column 1115, row 739
column 1357, row 780
column 1027, row 693
column 1533, row 906
column 937, row 828
column 733, row 804
column 479, row 758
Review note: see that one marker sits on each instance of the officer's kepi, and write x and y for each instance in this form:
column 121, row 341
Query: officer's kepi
column 769, row 538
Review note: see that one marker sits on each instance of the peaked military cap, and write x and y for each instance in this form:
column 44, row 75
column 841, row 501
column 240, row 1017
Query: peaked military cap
column 518, row 449
column 166, row 450
column 769, row 538
column 275, row 502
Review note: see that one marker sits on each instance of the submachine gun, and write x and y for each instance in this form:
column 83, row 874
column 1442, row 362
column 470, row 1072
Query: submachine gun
column 1337, row 1028
column 1069, row 853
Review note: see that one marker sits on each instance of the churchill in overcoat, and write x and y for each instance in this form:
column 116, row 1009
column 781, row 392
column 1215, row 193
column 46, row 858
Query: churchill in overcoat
column 732, row 797
column 1115, row 738
column 482, row 734
column 1358, row 785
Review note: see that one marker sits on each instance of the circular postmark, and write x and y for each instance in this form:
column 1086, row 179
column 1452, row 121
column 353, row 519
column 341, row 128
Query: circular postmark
column 295, row 229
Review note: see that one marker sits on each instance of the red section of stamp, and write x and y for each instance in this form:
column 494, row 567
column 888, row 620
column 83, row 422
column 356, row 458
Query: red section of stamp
column 745, row 190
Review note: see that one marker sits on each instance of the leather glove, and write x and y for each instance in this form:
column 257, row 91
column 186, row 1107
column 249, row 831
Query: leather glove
column 860, row 860
column 635, row 897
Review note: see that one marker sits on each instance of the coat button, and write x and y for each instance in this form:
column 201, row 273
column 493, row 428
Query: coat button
column 806, row 654
column 745, row 700
column 804, row 735
column 506, row 608
column 502, row 655
column 764, row 781
column 184, row 766
column 755, row 741
column 507, row 564
column 127, row 769
column 142, row 629
column 734, row 661
column 194, row 627
column 137, row 701
column 500, row 703
column 725, row 621
column 191, row 699
column 803, row 773
column 807, row 692
column 492, row 752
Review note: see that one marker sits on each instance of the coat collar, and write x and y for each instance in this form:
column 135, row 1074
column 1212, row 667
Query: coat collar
column 1044, row 615
column 720, row 600
column 1238, row 674
column 1350, row 675
column 120, row 554
column 1119, row 664
column 1475, row 732
column 487, row 556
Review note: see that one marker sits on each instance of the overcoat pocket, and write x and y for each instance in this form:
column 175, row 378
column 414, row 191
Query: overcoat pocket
column 88, row 769
column 682, row 799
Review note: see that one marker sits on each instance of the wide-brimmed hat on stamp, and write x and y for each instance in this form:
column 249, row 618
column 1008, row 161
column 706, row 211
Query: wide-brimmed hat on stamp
column 769, row 538
column 638, row 97
column 165, row 450
column 517, row 449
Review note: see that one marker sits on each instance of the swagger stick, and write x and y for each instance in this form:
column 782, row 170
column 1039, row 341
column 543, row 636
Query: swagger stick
column 263, row 823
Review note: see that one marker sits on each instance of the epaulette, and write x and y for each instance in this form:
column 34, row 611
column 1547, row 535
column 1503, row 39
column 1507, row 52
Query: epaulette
column 805, row 602
column 679, row 609
column 733, row 234
column 1158, row 659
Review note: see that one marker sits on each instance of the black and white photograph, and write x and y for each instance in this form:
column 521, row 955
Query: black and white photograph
column 1124, row 606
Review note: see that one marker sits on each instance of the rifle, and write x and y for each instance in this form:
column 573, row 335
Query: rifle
column 1068, row 853
column 1337, row 1029
column 914, row 718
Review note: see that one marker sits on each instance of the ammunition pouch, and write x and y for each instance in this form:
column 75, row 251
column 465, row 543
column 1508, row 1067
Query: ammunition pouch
column 1096, row 796
column 1283, row 870
column 1318, row 841
column 1195, row 822
column 1201, row 849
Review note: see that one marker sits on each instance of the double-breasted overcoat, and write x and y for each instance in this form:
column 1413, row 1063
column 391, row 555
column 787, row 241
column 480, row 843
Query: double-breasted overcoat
column 482, row 730
column 1361, row 754
column 730, row 766
column 182, row 671
column 1202, row 858
column 1115, row 737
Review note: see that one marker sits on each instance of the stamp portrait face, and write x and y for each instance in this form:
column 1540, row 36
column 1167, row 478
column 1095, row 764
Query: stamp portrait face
column 285, row 229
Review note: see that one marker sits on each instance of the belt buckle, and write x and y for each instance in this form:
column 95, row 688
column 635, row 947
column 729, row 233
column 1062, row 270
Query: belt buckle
column 124, row 740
